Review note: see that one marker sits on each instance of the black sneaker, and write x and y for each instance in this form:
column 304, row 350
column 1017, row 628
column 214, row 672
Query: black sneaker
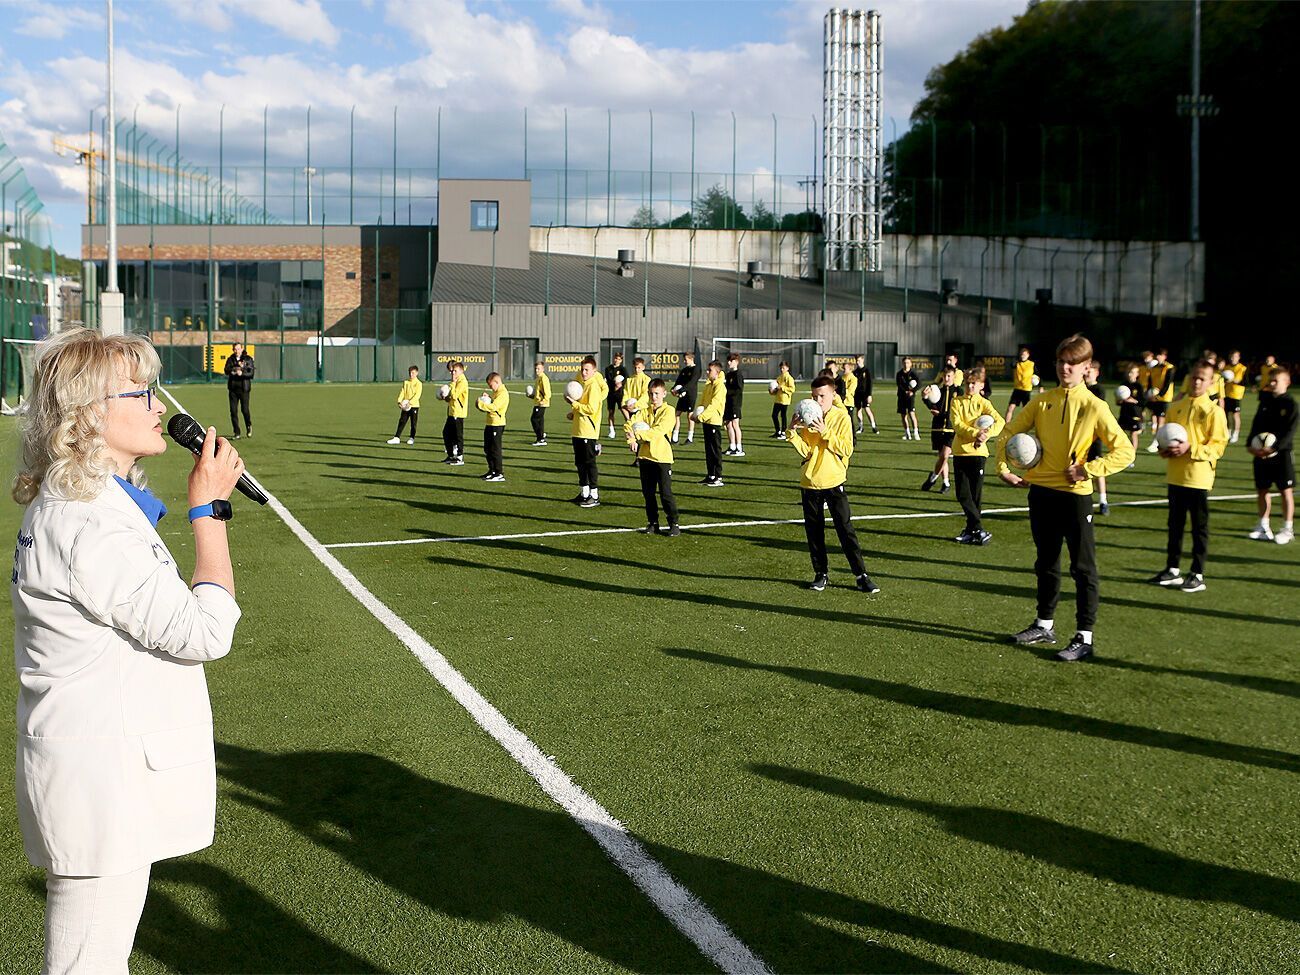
column 650, row 529
column 929, row 482
column 965, row 538
column 1033, row 633
column 485, row 477
column 1195, row 583
column 234, row 436
column 1075, row 650
column 713, row 482
column 819, row 582
column 875, row 429
column 866, row 585
column 578, row 499
column 1170, row 577
column 250, row 433
column 589, row 503
column 947, row 486
column 1103, row 508
column 674, row 530
column 985, row 537
column 496, row 478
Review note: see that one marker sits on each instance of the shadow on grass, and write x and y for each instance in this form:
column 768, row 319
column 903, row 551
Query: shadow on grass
column 1013, row 715
column 1074, row 848
column 1269, row 685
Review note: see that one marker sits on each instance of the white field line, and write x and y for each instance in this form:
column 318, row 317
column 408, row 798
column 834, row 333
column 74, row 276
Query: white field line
column 686, row 912
column 735, row 524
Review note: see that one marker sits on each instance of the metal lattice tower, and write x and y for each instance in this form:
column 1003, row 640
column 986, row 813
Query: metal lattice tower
column 851, row 151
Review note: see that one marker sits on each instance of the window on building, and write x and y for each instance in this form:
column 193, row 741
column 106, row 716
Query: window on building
column 483, row 215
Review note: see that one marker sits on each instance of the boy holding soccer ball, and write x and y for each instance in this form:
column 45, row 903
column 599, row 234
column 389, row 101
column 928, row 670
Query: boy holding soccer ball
column 974, row 421
column 493, row 404
column 710, row 412
column 1274, row 466
column 1130, row 407
column 650, row 437
column 826, row 443
column 906, row 381
column 781, row 397
column 941, row 431
column 1190, row 474
column 541, row 400
column 408, row 400
column 453, row 431
column 1234, row 389
column 586, row 431
column 1065, row 421
column 1022, row 381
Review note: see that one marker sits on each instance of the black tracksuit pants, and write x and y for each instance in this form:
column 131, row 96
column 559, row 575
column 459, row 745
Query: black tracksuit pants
column 413, row 414
column 453, row 436
column 780, row 417
column 1184, row 501
column 970, row 489
column 1056, row 517
column 713, row 449
column 492, row 449
column 657, row 477
column 539, row 422
column 239, row 403
column 814, row 526
column 584, row 458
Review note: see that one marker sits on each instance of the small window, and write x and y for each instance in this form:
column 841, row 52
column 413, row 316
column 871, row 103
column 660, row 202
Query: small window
column 483, row 215
column 350, row 276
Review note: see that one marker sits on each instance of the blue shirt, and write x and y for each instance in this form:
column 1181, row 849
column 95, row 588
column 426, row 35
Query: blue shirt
column 153, row 508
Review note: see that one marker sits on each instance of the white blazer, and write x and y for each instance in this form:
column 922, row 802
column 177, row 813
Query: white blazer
column 115, row 762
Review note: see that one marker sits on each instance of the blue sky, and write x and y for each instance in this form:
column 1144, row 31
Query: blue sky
column 481, row 62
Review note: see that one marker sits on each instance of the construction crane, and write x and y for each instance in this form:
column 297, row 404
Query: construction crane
column 88, row 155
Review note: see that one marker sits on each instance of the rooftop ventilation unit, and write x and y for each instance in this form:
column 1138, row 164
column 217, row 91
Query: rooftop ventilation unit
column 626, row 258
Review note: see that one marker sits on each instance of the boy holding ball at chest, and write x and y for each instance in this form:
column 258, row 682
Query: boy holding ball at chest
column 1065, row 421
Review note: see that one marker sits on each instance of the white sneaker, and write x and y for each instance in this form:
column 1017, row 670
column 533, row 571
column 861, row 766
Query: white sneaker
column 394, row 439
column 1284, row 536
column 410, row 441
column 737, row 453
column 1154, row 448
column 1233, row 438
column 1262, row 533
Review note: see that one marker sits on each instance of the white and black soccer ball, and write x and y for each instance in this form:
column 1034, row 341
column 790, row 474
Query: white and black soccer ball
column 618, row 380
column 529, row 390
column 1229, row 376
column 1170, row 434
column 808, row 411
column 1035, row 381
column 1024, row 451
column 406, row 404
column 911, row 384
column 573, row 390
column 639, row 427
column 1263, row 441
column 984, row 421
column 773, row 386
column 1122, row 393
column 444, row 391
column 630, row 402
column 931, row 393
column 485, row 399
column 1153, row 395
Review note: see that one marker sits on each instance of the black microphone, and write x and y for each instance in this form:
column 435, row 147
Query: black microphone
column 185, row 430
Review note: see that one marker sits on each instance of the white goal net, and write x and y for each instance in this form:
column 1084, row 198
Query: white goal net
column 760, row 359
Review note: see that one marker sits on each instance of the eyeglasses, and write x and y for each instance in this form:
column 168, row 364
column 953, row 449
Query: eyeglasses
column 147, row 393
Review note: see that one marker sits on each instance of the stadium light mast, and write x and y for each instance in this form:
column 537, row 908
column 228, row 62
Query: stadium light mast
column 110, row 299
column 851, row 151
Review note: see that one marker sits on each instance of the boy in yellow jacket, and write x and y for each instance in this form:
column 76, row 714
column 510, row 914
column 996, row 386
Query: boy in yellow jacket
column 1234, row 390
column 493, row 405
column 541, row 400
column 654, row 451
column 1066, row 421
column 453, row 431
column 1160, row 393
column 970, row 451
column 1190, row 475
column 1022, row 381
column 585, row 414
column 781, row 397
column 713, row 401
column 826, row 446
column 408, row 400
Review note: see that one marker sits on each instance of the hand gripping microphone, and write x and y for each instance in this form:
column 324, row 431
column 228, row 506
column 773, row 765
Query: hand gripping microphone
column 185, row 430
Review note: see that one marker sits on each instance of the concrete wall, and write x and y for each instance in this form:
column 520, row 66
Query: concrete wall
column 459, row 244
column 791, row 253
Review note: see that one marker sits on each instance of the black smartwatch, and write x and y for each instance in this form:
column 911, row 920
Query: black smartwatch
column 218, row 509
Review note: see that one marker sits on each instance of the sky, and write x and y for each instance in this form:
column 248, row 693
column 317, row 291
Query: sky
column 610, row 64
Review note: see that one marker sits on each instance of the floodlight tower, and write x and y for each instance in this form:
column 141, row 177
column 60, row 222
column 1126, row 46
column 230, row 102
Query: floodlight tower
column 851, row 151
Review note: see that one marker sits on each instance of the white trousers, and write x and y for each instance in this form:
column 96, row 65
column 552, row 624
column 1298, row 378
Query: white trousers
column 90, row 922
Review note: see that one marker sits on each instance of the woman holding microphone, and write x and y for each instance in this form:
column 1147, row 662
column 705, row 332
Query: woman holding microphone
column 115, row 765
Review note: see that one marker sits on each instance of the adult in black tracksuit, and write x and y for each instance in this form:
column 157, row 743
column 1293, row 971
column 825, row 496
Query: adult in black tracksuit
column 239, row 388
column 615, row 376
column 735, row 385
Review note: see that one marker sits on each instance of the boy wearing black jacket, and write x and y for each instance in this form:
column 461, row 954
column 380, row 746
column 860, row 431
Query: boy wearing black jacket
column 1274, row 465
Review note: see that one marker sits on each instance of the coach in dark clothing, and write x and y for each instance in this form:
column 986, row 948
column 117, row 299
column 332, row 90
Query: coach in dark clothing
column 239, row 386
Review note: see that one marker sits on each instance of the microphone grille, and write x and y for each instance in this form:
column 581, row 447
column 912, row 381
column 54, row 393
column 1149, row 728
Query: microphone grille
column 185, row 430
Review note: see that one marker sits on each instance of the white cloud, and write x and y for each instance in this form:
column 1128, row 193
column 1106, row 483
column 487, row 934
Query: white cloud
column 581, row 12
column 55, row 21
column 304, row 21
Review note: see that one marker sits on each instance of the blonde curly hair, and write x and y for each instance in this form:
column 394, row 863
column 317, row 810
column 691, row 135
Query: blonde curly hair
column 74, row 373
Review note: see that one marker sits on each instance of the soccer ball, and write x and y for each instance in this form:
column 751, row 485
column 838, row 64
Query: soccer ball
column 529, row 391
column 1229, row 376
column 911, row 384
column 1122, row 393
column 1035, row 381
column 485, row 399
column 406, row 404
column 773, row 386
column 808, row 412
column 1153, row 394
column 1024, row 450
column 1170, row 434
column 444, row 391
column 1263, row 441
column 630, row 403
column 931, row 394
column 618, row 380
column 984, row 422
column 639, row 426
column 1152, row 363
column 573, row 390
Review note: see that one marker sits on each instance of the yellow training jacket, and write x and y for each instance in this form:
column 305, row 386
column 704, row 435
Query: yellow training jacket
column 826, row 456
column 712, row 400
column 1216, row 388
column 785, row 389
column 1207, row 436
column 496, row 408
column 1158, row 376
column 1066, row 422
column 411, row 390
column 1022, row 377
column 637, row 386
column 542, row 390
column 1237, row 388
column 850, row 384
column 458, row 401
column 1265, row 376
column 962, row 414
column 655, row 444
column 587, row 408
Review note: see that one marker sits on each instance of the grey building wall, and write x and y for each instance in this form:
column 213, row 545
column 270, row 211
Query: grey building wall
column 461, row 245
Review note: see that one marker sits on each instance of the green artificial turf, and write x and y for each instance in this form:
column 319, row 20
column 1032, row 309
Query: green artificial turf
column 850, row 782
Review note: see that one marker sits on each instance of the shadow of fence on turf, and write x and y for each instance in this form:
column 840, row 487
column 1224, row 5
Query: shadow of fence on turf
column 1024, row 715
column 467, row 855
column 1073, row 848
